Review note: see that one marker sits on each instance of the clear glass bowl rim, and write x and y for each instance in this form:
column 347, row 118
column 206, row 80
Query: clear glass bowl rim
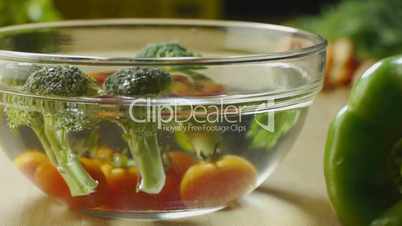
column 311, row 89
column 320, row 43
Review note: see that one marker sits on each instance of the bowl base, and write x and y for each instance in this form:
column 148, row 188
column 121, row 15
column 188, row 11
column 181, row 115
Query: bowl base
column 150, row 215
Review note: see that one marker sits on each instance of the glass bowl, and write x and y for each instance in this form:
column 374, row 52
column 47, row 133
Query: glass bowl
column 153, row 119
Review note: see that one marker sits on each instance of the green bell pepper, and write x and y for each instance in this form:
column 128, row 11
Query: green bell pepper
column 363, row 160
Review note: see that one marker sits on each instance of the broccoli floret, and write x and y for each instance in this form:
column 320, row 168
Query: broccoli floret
column 172, row 49
column 141, row 137
column 53, row 121
column 57, row 127
column 168, row 49
column 203, row 143
column 64, row 81
column 21, row 116
column 138, row 81
column 19, row 113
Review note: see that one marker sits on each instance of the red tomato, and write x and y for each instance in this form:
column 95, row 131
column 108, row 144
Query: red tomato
column 104, row 153
column 99, row 76
column 49, row 181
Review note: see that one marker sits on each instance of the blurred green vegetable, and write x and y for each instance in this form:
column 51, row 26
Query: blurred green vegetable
column 24, row 11
column 374, row 26
column 262, row 138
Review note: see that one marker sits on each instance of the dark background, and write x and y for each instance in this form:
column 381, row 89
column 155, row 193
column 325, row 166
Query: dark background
column 272, row 10
column 252, row 10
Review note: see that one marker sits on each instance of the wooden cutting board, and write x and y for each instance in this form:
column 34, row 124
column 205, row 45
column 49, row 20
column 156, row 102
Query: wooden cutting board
column 294, row 195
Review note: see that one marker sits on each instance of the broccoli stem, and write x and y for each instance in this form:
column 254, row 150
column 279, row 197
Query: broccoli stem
column 204, row 144
column 145, row 150
column 141, row 136
column 40, row 134
column 90, row 143
column 68, row 164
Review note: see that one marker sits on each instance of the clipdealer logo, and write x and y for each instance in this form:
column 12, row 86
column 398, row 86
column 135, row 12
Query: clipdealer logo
column 194, row 117
column 269, row 123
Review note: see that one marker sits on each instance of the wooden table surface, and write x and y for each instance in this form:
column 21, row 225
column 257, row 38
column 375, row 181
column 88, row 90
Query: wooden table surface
column 294, row 195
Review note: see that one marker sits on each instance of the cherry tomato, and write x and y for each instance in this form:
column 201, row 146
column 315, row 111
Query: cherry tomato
column 217, row 183
column 104, row 153
column 29, row 161
column 49, row 181
column 99, row 76
column 121, row 180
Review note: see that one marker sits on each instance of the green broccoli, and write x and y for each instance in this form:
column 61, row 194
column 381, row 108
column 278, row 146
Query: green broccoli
column 19, row 112
column 168, row 49
column 141, row 137
column 203, row 143
column 172, row 49
column 62, row 81
column 53, row 121
column 138, row 82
